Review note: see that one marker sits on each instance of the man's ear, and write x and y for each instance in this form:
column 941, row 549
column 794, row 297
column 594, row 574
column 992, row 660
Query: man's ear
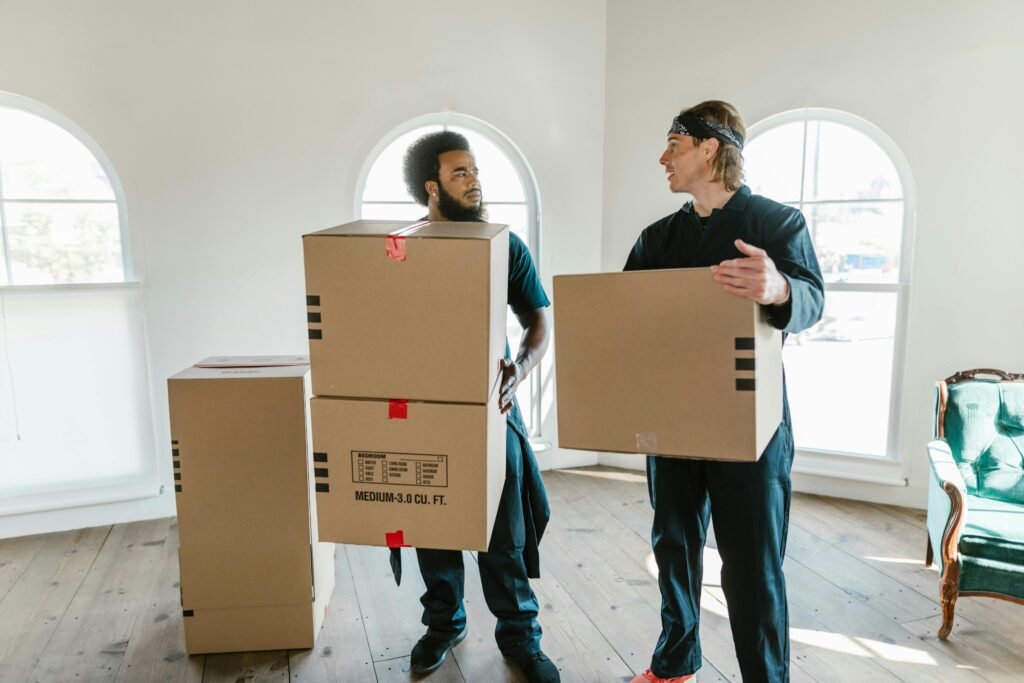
column 711, row 149
column 431, row 187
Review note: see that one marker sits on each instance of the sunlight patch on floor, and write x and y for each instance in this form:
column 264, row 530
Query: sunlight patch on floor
column 897, row 653
column 617, row 476
column 827, row 640
column 861, row 647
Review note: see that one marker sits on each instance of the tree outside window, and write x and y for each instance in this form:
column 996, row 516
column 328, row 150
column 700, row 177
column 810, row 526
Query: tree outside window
column 60, row 221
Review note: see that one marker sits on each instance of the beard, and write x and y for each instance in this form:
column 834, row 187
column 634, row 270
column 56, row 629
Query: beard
column 451, row 209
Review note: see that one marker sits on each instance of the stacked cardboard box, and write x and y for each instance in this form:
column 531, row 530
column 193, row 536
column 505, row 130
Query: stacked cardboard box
column 664, row 362
column 254, row 575
column 406, row 330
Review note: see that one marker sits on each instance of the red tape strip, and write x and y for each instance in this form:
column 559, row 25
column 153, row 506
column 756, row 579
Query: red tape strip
column 398, row 409
column 395, row 539
column 396, row 247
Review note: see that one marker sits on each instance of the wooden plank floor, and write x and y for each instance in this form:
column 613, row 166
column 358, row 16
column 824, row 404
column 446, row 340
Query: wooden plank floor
column 102, row 604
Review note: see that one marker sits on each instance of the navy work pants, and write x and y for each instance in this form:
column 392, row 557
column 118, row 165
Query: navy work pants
column 748, row 503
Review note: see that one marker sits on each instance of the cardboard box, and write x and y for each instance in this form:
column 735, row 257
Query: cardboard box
column 254, row 575
column 407, row 311
column 664, row 362
column 427, row 475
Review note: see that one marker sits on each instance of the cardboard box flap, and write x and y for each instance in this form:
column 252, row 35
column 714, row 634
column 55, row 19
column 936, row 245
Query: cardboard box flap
column 251, row 361
column 413, row 230
column 242, row 372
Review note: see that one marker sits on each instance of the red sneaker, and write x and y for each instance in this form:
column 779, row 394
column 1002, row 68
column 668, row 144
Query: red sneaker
column 649, row 677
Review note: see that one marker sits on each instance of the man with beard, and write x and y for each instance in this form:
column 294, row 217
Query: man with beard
column 441, row 173
column 760, row 250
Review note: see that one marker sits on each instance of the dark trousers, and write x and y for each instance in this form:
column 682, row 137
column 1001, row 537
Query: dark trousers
column 749, row 505
column 502, row 573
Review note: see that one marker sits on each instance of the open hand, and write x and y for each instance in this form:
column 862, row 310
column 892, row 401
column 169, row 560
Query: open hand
column 753, row 277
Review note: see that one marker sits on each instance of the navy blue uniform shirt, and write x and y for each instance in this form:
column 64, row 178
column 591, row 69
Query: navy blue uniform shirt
column 681, row 241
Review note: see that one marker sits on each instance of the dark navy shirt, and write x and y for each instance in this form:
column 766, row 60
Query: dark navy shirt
column 681, row 241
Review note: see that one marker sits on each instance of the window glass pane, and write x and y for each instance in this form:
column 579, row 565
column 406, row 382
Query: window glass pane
column 4, row 280
column 772, row 162
column 40, row 160
column 64, row 243
column 498, row 176
column 839, row 374
column 843, row 163
column 398, row 212
column 512, row 215
column 386, row 182
column 78, row 357
column 857, row 242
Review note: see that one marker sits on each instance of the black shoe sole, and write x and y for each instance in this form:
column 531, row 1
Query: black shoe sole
column 458, row 639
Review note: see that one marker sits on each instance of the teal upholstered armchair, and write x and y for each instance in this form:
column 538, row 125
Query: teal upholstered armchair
column 976, row 488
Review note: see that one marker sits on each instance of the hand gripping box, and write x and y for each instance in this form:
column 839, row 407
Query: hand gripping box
column 413, row 311
column 254, row 575
column 664, row 362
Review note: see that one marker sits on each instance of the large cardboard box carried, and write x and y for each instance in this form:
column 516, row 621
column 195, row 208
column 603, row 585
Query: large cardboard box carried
column 411, row 311
column 423, row 474
column 664, row 362
column 254, row 575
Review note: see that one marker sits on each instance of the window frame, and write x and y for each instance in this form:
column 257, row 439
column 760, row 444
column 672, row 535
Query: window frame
column 531, row 194
column 30, row 106
column 888, row 468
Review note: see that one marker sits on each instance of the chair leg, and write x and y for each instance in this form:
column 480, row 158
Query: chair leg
column 949, row 592
column 928, row 555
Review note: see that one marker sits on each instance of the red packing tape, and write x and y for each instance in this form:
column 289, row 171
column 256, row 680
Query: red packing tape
column 398, row 409
column 395, row 539
column 396, row 247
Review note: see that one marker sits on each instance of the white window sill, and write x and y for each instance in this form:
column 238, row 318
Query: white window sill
column 851, row 466
column 73, row 287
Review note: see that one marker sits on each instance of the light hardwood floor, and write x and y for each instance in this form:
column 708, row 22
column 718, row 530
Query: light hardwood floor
column 102, row 604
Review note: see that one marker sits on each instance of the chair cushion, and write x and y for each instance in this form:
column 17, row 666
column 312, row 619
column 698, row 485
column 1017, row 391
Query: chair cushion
column 993, row 530
column 985, row 431
column 989, row 576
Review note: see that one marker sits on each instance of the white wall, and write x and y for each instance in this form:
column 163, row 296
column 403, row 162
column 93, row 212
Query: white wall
column 238, row 126
column 941, row 78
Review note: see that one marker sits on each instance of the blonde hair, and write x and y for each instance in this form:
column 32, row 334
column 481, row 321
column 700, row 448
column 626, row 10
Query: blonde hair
column 727, row 166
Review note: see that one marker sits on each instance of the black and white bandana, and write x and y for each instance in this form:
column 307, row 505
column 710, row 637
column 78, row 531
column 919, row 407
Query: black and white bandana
column 695, row 126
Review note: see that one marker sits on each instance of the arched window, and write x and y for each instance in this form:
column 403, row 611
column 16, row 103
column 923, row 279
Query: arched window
column 854, row 187
column 75, row 418
column 61, row 208
column 509, row 190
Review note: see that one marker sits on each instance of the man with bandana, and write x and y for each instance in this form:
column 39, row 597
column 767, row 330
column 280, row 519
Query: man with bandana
column 760, row 250
column 441, row 173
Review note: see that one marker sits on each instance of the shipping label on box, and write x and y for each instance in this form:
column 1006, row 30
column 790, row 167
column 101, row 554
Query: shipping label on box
column 254, row 574
column 411, row 311
column 427, row 475
column 664, row 362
